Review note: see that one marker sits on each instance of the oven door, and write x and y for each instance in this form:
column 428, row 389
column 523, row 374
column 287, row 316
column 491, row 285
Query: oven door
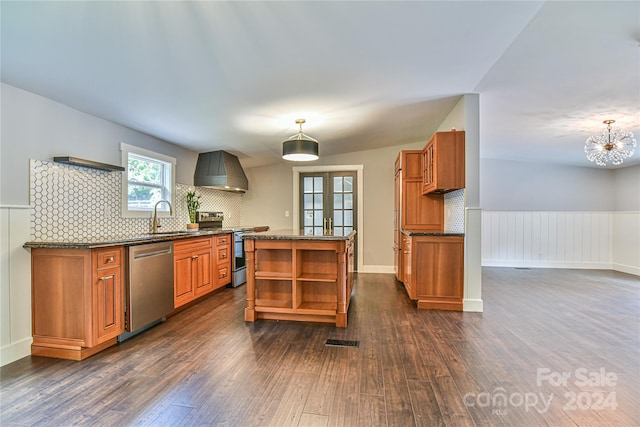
column 239, row 256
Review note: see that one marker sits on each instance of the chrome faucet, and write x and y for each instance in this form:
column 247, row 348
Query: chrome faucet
column 155, row 224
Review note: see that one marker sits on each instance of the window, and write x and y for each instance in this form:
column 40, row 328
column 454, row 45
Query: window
column 150, row 177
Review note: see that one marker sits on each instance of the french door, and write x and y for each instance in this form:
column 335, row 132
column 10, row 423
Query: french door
column 328, row 203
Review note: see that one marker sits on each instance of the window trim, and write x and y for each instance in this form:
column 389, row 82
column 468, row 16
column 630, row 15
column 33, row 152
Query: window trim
column 126, row 149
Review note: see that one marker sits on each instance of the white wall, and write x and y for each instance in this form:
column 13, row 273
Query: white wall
column 560, row 216
column 522, row 186
column 39, row 128
column 627, row 189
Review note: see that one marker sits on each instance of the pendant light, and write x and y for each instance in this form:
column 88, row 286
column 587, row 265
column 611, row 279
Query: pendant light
column 300, row 147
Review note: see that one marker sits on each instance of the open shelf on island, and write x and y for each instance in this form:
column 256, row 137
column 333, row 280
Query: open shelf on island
column 273, row 263
column 268, row 275
column 317, row 277
column 273, row 293
column 313, row 306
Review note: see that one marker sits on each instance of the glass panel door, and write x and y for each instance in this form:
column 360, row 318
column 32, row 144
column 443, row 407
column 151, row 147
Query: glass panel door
column 313, row 218
column 343, row 206
column 328, row 203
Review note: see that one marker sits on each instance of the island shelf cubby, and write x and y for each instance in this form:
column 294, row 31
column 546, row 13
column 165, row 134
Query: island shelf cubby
column 306, row 280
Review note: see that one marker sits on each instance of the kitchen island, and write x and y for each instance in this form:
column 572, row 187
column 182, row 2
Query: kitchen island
column 293, row 276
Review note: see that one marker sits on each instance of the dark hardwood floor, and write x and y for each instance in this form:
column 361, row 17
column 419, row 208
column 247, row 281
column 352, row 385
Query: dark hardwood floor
column 553, row 347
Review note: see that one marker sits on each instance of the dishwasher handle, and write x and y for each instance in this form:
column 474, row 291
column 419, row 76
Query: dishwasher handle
column 154, row 253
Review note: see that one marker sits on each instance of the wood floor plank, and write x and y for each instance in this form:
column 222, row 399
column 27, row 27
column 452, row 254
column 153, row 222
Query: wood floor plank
column 371, row 411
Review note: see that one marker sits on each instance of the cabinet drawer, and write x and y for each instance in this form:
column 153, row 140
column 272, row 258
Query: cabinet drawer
column 108, row 258
column 223, row 254
column 223, row 272
column 223, row 240
column 192, row 245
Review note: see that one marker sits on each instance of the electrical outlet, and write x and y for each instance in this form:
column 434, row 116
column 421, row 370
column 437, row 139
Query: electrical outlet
column 286, row 214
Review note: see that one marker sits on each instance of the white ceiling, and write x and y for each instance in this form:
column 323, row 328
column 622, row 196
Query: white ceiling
column 236, row 75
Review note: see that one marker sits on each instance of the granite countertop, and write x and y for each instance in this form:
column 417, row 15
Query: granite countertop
column 430, row 233
column 294, row 235
column 106, row 241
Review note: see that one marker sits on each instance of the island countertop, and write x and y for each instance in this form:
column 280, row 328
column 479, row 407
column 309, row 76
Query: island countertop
column 291, row 234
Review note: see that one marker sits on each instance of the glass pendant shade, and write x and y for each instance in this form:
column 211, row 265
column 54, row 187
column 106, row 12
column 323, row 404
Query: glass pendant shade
column 613, row 146
column 300, row 147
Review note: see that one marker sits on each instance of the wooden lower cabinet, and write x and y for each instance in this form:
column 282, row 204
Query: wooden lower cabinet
column 201, row 265
column 192, row 269
column 434, row 275
column 77, row 301
column 223, row 251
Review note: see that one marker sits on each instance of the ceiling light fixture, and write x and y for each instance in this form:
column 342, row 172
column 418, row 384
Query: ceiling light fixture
column 300, row 147
column 613, row 145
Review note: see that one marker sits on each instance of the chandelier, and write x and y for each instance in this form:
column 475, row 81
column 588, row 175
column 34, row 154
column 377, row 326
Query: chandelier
column 613, row 145
column 300, row 147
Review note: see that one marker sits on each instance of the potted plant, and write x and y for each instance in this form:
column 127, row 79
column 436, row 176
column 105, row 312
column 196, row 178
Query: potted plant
column 193, row 204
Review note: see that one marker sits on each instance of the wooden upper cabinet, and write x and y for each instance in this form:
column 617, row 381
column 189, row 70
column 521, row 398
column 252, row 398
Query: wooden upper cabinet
column 413, row 210
column 443, row 163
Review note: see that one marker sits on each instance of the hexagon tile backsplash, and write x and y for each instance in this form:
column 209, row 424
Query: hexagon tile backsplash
column 454, row 212
column 74, row 203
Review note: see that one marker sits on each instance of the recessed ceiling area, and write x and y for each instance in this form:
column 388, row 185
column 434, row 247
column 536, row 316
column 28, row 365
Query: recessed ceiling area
column 235, row 75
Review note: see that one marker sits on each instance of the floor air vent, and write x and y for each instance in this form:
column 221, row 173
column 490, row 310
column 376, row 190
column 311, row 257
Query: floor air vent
column 342, row 343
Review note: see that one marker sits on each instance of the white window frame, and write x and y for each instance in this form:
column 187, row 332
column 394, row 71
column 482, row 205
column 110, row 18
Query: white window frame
column 170, row 182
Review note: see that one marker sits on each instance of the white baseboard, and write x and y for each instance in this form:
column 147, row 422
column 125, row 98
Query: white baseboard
column 377, row 269
column 18, row 350
column 626, row 269
column 473, row 305
column 549, row 264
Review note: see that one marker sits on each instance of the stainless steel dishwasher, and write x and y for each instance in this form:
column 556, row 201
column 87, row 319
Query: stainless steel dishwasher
column 149, row 295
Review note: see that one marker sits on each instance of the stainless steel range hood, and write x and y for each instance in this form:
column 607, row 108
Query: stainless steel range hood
column 220, row 170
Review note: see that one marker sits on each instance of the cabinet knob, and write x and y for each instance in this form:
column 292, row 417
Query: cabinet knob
column 223, row 256
column 109, row 259
column 194, row 257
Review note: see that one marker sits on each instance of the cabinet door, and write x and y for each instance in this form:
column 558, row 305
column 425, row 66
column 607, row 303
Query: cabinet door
column 184, row 290
column 407, row 268
column 428, row 167
column 108, row 315
column 439, row 269
column 202, row 272
column 420, row 212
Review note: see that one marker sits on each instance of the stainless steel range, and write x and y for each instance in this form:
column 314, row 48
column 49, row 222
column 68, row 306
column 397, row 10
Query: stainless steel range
column 213, row 220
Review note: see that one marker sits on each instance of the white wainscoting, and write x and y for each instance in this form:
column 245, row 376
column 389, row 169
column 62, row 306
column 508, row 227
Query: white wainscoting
column 550, row 239
column 547, row 239
column 15, row 284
